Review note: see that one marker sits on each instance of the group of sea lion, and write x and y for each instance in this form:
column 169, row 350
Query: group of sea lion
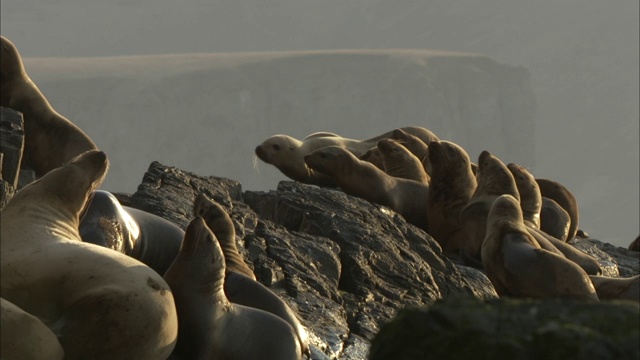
column 488, row 215
column 83, row 277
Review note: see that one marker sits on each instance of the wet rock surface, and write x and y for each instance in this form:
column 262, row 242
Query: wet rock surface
column 346, row 266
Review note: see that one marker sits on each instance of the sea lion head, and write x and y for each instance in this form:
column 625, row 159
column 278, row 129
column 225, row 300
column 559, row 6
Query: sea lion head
column 374, row 157
column 216, row 218
column 10, row 61
column 391, row 148
column 200, row 256
column 328, row 160
column 446, row 156
column 505, row 209
column 494, row 178
column 68, row 188
column 276, row 149
column 530, row 197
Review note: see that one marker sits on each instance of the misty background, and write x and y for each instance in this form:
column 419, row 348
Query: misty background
column 580, row 58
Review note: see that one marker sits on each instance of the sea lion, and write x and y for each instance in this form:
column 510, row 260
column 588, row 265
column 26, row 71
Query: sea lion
column 240, row 283
column 399, row 162
column 211, row 327
column 25, row 337
column 99, row 303
column 133, row 232
column 414, row 144
column 554, row 220
column 517, row 266
column 50, row 139
column 362, row 179
column 450, row 189
column 617, row 288
column 493, row 180
column 560, row 194
column 287, row 153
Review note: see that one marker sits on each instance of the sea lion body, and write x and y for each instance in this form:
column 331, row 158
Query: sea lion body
column 362, row 179
column 451, row 186
column 99, row 303
column 51, row 140
column 211, row 327
column 517, row 266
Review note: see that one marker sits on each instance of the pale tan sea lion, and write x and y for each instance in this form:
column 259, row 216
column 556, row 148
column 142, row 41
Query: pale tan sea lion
column 25, row 337
column 211, row 327
column 399, row 162
column 240, row 283
column 99, row 303
column 493, row 179
column 362, row 179
column 50, row 139
column 287, row 153
column 451, row 186
column 560, row 194
column 617, row 288
column 517, row 266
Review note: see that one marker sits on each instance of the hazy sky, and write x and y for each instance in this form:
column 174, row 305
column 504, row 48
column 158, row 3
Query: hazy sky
column 582, row 56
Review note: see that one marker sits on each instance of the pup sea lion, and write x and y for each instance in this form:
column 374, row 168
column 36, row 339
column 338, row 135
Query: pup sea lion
column 50, row 139
column 25, row 337
column 211, row 327
column 617, row 288
column 493, row 180
column 362, row 179
column 517, row 266
column 99, row 303
column 451, row 186
column 399, row 162
column 133, row 232
column 560, row 194
column 287, row 153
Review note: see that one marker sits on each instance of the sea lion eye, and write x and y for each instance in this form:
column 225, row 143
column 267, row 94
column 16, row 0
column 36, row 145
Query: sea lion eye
column 276, row 147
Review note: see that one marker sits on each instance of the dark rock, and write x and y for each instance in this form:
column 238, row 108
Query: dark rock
column 512, row 329
column 614, row 260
